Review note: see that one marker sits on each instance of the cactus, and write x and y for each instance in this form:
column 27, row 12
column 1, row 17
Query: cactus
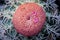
column 51, row 28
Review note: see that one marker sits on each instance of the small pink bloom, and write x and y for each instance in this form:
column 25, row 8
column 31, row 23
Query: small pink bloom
column 34, row 13
column 36, row 20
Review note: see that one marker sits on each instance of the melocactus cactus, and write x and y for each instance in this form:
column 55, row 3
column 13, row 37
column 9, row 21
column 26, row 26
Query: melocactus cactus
column 29, row 19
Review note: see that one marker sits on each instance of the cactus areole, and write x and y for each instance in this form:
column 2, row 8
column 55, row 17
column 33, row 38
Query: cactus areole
column 29, row 19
